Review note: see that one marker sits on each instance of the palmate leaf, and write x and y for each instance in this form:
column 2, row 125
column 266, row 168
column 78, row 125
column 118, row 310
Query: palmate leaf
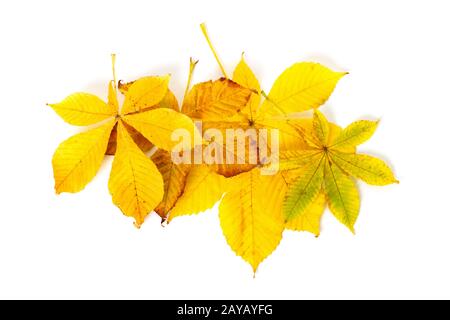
column 169, row 101
column 340, row 163
column 250, row 212
column 148, row 118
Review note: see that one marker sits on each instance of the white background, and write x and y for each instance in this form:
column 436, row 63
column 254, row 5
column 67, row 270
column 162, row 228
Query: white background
column 81, row 246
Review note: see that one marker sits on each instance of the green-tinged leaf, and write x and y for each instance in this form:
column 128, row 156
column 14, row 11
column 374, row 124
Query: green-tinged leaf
column 342, row 195
column 303, row 192
column 369, row 169
column 355, row 134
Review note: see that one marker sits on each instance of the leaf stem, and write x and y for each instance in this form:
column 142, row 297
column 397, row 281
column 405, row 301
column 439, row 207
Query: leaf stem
column 113, row 62
column 192, row 64
column 205, row 34
column 272, row 102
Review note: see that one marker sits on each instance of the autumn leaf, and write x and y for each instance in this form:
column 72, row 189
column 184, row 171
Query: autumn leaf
column 169, row 101
column 193, row 188
column 251, row 218
column 144, row 93
column 83, row 109
column 77, row 160
column 203, row 188
column 251, row 223
column 331, row 163
column 303, row 86
column 317, row 167
column 174, row 176
column 310, row 221
column 205, row 184
column 312, row 85
column 136, row 185
column 215, row 100
column 235, row 104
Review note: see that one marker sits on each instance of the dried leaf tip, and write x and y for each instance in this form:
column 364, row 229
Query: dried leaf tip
column 264, row 94
column 193, row 62
column 137, row 225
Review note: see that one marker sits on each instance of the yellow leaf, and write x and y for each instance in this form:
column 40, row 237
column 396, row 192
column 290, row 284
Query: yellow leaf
column 310, row 221
column 169, row 100
column 157, row 125
column 203, row 189
column 342, row 195
column 369, row 169
column 174, row 176
column 144, row 93
column 301, row 87
column 77, row 160
column 321, row 127
column 135, row 183
column 215, row 100
column 355, row 134
column 304, row 190
column 244, row 76
column 82, row 109
column 250, row 217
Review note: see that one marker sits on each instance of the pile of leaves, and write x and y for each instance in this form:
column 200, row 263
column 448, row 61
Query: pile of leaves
column 318, row 161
